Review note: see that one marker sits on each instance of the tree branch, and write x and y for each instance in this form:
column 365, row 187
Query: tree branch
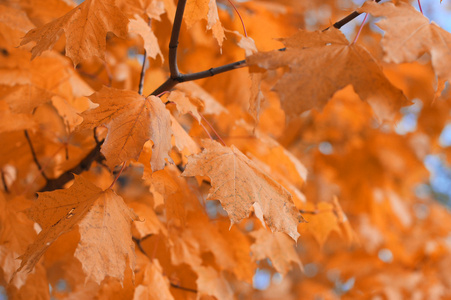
column 173, row 44
column 347, row 19
column 172, row 82
column 84, row 165
column 175, row 78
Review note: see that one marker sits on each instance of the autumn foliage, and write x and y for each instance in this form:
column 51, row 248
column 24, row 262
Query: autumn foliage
column 153, row 149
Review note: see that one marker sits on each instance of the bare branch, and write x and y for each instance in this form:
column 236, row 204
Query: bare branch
column 67, row 176
column 171, row 82
column 175, row 78
column 347, row 19
column 173, row 44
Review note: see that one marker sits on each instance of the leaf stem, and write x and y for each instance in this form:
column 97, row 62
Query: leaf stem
column 239, row 15
column 360, row 30
column 213, row 129
column 118, row 174
column 419, row 5
column 205, row 129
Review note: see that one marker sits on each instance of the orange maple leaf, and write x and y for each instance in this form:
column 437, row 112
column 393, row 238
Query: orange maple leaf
column 85, row 28
column 106, row 246
column 240, row 185
column 105, row 228
column 277, row 247
column 409, row 34
column 131, row 120
column 197, row 10
column 323, row 62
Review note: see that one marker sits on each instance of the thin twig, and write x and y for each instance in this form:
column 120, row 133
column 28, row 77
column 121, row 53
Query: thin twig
column 143, row 72
column 173, row 44
column 183, row 288
column 316, row 211
column 5, row 186
column 138, row 243
column 33, row 153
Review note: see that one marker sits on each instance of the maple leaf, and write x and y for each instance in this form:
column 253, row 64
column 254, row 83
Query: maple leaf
column 197, row 10
column 322, row 224
column 140, row 27
column 239, row 184
column 106, row 246
column 409, row 34
column 16, row 232
column 58, row 212
column 154, row 285
column 321, row 63
column 101, row 216
column 184, row 105
column 131, row 120
column 17, row 23
column 277, row 247
column 211, row 282
column 85, row 28
column 21, row 121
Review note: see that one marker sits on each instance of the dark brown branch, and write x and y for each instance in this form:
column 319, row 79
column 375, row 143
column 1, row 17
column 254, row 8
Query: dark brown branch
column 173, row 44
column 347, row 19
column 67, row 176
column 33, row 153
column 138, row 243
column 175, row 78
column 143, row 72
column 172, row 82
